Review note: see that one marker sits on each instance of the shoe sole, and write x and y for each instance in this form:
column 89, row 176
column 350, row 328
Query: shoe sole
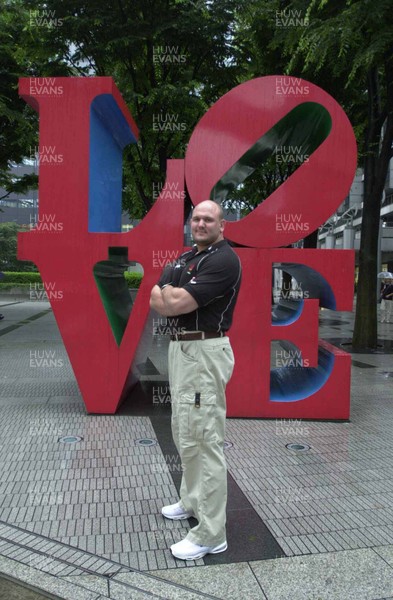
column 202, row 554
column 177, row 517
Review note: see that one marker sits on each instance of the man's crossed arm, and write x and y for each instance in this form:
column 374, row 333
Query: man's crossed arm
column 171, row 301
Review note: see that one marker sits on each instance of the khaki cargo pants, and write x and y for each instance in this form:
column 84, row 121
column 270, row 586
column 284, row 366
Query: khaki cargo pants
column 198, row 373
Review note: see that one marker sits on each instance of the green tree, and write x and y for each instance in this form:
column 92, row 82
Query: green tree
column 23, row 52
column 170, row 59
column 17, row 124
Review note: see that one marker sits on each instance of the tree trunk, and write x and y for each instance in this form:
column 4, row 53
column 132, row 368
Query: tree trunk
column 378, row 154
column 365, row 330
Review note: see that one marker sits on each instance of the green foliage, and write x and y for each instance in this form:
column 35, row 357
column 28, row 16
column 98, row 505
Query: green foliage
column 18, row 126
column 12, row 285
column 12, row 279
column 170, row 59
column 18, row 277
column 133, row 280
column 8, row 249
column 349, row 36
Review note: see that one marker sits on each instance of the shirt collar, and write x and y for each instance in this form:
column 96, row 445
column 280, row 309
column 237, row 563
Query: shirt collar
column 210, row 248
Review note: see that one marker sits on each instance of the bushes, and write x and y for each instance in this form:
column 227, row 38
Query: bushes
column 12, row 279
column 8, row 245
column 9, row 286
column 133, row 279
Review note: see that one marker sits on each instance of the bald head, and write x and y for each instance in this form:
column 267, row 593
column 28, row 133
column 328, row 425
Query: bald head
column 207, row 223
column 210, row 205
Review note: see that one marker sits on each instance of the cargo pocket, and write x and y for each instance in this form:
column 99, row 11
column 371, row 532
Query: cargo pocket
column 198, row 417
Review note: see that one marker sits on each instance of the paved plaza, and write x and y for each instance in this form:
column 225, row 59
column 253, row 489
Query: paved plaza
column 81, row 495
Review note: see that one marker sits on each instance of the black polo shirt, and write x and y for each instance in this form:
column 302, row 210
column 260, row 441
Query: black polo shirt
column 212, row 277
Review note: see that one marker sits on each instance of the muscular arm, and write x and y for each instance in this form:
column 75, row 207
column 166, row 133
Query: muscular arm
column 172, row 301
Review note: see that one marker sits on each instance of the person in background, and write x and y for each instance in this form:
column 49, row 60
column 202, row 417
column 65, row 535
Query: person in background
column 387, row 302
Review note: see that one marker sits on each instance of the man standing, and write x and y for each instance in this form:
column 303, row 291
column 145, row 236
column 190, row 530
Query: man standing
column 200, row 290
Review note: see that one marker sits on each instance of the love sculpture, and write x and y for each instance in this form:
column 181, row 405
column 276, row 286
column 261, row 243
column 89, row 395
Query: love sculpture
column 84, row 126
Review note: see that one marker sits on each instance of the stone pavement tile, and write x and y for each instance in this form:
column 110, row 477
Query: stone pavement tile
column 22, row 400
column 301, row 545
column 10, row 590
column 65, row 400
column 331, row 544
column 43, row 581
column 287, row 547
column 50, row 566
column 307, row 541
column 235, row 581
column 349, row 575
column 140, row 584
column 124, row 594
column 91, row 582
column 386, row 552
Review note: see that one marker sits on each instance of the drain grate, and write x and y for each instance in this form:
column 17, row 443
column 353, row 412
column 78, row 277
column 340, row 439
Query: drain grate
column 145, row 442
column 70, row 439
column 298, row 447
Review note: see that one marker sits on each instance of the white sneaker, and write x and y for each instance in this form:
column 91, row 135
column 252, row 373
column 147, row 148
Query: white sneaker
column 176, row 512
column 187, row 550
